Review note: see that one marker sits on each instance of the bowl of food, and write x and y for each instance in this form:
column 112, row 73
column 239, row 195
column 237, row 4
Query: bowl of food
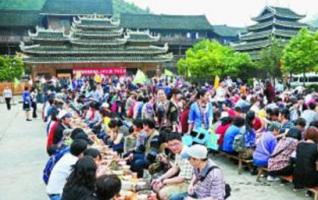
column 142, row 197
column 118, row 172
column 141, row 185
column 126, row 167
column 122, row 162
column 126, row 186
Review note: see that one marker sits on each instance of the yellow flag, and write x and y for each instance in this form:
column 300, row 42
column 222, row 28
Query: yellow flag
column 16, row 82
column 216, row 82
column 140, row 77
column 78, row 75
column 98, row 79
column 189, row 73
column 168, row 73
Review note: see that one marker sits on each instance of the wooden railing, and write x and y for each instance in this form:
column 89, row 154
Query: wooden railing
column 16, row 90
column 13, row 39
column 179, row 40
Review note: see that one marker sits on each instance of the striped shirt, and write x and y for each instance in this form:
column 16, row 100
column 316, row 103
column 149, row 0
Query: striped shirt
column 213, row 184
column 184, row 165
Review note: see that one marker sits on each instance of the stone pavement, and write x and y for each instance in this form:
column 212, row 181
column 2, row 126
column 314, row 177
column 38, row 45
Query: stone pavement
column 245, row 187
column 22, row 156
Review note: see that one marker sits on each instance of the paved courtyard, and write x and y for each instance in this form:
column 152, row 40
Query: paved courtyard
column 22, row 157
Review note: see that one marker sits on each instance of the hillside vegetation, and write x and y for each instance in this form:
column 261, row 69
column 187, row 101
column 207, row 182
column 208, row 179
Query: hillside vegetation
column 119, row 6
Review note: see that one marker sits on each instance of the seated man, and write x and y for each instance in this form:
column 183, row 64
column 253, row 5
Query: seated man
column 176, row 179
column 151, row 147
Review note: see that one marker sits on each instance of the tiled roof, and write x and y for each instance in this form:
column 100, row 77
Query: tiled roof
column 227, row 31
column 77, row 7
column 274, row 22
column 19, row 18
column 167, row 22
column 91, row 47
column 266, row 34
column 270, row 11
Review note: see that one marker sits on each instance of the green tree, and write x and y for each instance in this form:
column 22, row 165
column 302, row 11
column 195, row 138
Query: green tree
column 10, row 68
column 301, row 53
column 207, row 59
column 270, row 59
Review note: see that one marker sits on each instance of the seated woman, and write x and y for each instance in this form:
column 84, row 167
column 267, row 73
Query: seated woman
column 97, row 156
column 116, row 139
column 207, row 181
column 266, row 145
column 305, row 172
column 230, row 134
column 222, row 127
column 80, row 183
column 279, row 163
column 130, row 141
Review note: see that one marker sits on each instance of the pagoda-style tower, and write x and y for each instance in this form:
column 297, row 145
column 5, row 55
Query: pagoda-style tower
column 280, row 23
column 93, row 42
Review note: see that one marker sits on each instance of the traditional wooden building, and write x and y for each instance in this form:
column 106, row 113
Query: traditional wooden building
column 180, row 31
column 227, row 34
column 57, row 14
column 14, row 26
column 281, row 23
column 94, row 45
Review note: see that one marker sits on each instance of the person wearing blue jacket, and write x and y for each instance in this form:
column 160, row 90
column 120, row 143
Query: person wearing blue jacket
column 26, row 99
column 230, row 134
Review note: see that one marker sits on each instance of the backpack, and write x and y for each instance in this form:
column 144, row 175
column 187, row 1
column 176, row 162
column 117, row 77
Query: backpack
column 239, row 142
column 51, row 163
column 228, row 188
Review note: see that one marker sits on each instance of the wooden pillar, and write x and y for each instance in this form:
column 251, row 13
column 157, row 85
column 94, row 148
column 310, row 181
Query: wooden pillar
column 32, row 72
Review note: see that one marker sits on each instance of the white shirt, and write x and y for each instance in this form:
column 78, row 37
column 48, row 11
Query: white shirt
column 60, row 173
column 220, row 94
column 7, row 93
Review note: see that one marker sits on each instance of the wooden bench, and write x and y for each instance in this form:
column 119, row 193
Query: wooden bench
column 240, row 160
column 289, row 179
column 314, row 190
column 260, row 172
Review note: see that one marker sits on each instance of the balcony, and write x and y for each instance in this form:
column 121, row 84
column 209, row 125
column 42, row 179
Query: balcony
column 5, row 39
column 178, row 40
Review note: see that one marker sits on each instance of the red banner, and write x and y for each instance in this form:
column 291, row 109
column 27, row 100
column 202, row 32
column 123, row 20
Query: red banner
column 104, row 71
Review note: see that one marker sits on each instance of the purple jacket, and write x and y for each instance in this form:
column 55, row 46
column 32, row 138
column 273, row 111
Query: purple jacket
column 265, row 147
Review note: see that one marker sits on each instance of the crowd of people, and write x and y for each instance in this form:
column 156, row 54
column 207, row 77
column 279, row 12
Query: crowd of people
column 167, row 127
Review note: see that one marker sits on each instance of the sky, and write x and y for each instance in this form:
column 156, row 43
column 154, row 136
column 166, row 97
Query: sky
column 230, row 12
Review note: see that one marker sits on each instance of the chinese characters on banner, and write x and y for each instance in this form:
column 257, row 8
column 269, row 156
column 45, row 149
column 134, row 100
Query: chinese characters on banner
column 104, row 71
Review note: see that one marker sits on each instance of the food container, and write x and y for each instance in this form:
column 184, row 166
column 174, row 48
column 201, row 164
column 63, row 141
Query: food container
column 141, row 185
column 142, row 197
column 118, row 172
column 126, row 168
column 126, row 186
column 122, row 163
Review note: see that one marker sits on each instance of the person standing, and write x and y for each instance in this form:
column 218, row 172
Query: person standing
column 7, row 95
column 166, row 113
column 26, row 98
column 201, row 112
column 34, row 94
